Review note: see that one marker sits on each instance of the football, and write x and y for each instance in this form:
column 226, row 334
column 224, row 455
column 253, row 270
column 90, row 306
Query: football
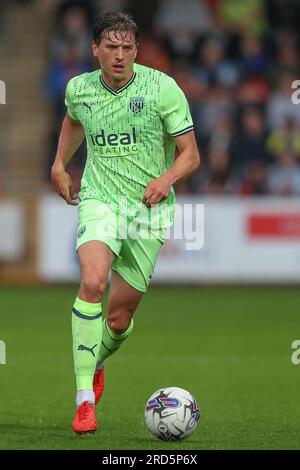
column 172, row 414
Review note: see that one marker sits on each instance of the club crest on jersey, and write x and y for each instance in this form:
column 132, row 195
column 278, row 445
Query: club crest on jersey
column 136, row 104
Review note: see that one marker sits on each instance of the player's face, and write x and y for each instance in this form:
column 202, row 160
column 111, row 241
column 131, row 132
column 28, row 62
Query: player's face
column 116, row 54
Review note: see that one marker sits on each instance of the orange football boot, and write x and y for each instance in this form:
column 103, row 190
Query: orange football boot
column 85, row 419
column 98, row 384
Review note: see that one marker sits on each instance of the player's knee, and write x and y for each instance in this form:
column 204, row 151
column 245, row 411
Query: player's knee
column 92, row 287
column 118, row 323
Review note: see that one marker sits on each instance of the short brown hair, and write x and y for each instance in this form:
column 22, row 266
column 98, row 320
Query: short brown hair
column 114, row 21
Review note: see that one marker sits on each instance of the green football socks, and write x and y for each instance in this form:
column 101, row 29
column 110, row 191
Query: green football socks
column 111, row 342
column 87, row 336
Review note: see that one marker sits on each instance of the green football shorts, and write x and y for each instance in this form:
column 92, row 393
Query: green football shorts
column 135, row 247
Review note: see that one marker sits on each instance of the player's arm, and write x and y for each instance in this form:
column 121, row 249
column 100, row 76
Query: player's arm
column 71, row 136
column 186, row 163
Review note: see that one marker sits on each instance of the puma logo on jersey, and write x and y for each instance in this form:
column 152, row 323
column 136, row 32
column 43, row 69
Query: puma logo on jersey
column 87, row 106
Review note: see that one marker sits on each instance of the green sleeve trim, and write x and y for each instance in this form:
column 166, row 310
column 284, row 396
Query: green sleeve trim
column 183, row 131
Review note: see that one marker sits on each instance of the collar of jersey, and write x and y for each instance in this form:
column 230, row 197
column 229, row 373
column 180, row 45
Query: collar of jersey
column 117, row 92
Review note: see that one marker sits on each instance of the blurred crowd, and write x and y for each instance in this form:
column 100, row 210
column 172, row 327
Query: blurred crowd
column 236, row 62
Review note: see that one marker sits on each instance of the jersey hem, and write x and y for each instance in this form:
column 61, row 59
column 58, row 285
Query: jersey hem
column 106, row 242
column 129, row 281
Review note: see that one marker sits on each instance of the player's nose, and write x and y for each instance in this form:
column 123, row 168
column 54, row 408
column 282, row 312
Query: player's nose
column 120, row 53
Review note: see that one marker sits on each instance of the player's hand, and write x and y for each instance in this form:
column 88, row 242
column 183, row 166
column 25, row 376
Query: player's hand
column 157, row 190
column 63, row 186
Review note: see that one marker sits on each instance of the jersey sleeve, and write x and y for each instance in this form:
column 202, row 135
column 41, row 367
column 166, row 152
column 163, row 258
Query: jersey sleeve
column 174, row 109
column 69, row 100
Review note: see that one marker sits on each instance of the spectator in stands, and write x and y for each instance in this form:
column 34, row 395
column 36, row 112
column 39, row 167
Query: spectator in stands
column 252, row 91
column 283, row 14
column 213, row 68
column 247, row 16
column 214, row 176
column 280, row 106
column 86, row 6
column 285, row 139
column 221, row 135
column 71, row 54
column 194, row 89
column 284, row 176
column 73, row 27
column 216, row 102
column 249, row 143
column 70, row 60
column 110, row 5
column 253, row 181
column 153, row 54
column 182, row 22
column 219, row 170
column 287, row 62
column 253, row 59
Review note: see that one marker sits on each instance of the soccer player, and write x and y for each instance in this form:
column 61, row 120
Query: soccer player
column 132, row 118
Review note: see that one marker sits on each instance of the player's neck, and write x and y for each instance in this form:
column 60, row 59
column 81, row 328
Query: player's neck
column 116, row 84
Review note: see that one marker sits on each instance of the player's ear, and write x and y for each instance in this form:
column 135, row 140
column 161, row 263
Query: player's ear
column 95, row 49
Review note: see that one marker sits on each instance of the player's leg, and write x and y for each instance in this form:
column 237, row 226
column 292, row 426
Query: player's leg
column 131, row 276
column 123, row 301
column 95, row 259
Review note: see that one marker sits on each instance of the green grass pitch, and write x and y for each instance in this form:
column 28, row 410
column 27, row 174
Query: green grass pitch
column 230, row 347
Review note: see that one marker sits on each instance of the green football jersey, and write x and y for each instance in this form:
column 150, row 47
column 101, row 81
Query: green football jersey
column 130, row 138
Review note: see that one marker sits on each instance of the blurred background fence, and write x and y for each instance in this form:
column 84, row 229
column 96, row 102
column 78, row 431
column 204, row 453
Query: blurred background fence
column 236, row 62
